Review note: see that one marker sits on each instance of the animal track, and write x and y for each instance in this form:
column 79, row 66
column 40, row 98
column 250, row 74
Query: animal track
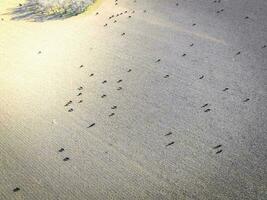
column 16, row 189
column 91, row 125
column 67, row 104
column 220, row 151
column 167, row 76
column 238, row 53
column 169, row 144
column 246, row 100
column 167, row 134
column 114, row 107
column 217, row 147
column 70, row 110
column 219, row 11
column 112, row 114
column 66, row 159
column 204, row 105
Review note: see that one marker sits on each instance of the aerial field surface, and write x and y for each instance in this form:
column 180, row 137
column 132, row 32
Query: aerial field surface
column 133, row 99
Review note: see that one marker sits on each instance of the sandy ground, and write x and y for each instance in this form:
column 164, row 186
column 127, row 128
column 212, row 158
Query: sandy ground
column 191, row 125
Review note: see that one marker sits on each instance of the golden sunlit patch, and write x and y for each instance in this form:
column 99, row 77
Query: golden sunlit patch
column 94, row 6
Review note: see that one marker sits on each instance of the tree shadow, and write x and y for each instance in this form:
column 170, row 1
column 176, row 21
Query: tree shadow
column 32, row 10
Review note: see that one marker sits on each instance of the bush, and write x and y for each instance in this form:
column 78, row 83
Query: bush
column 40, row 10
